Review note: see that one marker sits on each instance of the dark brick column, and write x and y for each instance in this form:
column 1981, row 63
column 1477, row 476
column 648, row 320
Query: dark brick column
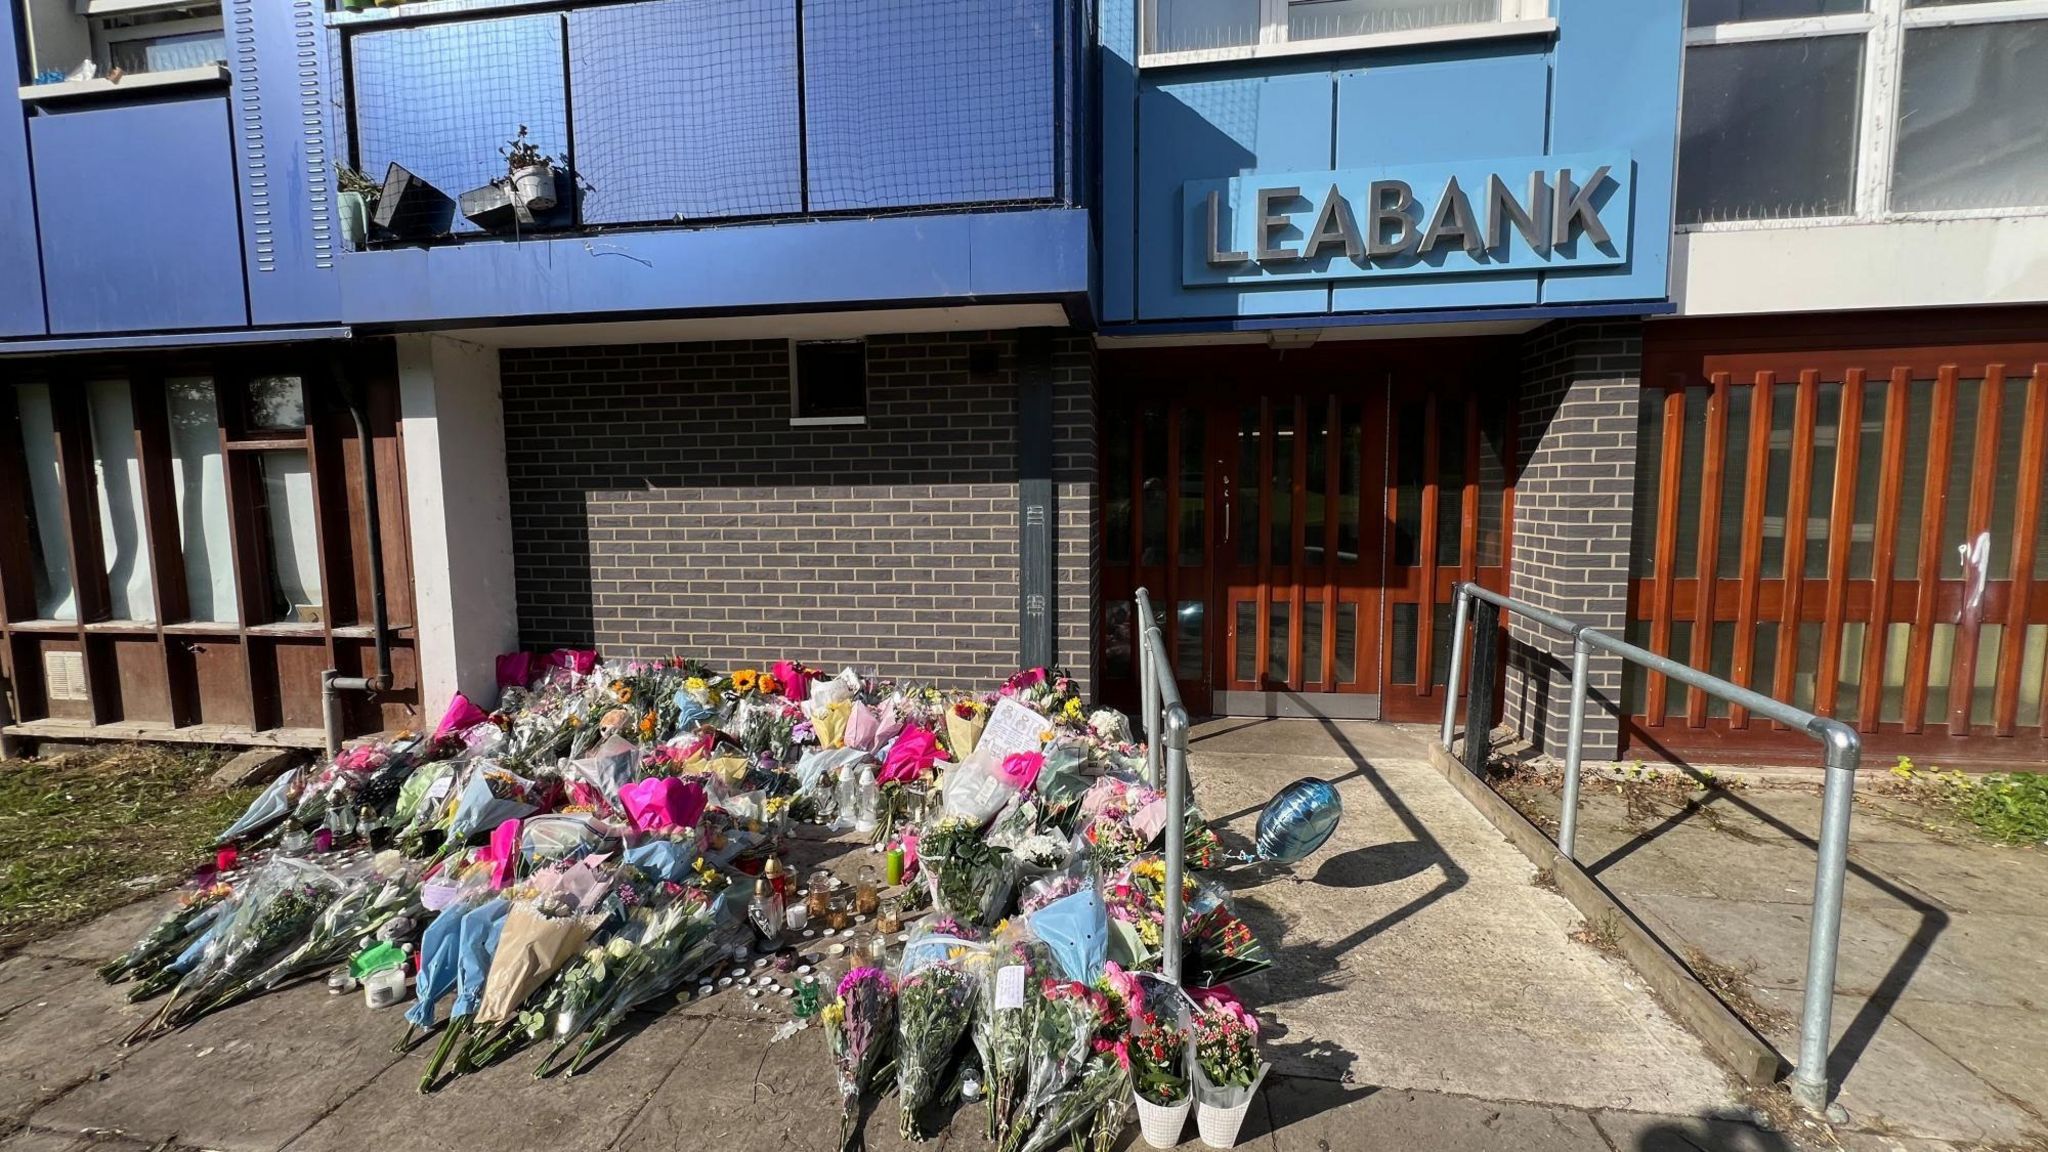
column 1574, row 504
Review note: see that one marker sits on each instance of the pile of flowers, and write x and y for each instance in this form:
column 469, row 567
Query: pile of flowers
column 611, row 831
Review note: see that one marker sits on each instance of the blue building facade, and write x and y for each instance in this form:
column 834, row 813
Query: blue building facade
column 1271, row 307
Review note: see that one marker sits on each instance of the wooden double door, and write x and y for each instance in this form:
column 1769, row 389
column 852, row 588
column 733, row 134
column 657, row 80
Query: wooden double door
column 1299, row 520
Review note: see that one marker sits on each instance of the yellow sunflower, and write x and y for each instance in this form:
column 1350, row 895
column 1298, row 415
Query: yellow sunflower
column 743, row 681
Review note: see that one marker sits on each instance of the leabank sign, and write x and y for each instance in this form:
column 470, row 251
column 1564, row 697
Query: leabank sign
column 1524, row 215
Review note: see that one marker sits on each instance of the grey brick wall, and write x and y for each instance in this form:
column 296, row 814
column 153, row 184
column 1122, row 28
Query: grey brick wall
column 662, row 505
column 1574, row 498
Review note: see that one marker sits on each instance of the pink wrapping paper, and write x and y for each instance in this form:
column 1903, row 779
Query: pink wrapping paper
column 503, row 852
column 577, row 660
column 461, row 716
column 794, row 679
column 515, row 670
column 910, row 757
column 1021, row 768
column 663, row 802
column 861, row 727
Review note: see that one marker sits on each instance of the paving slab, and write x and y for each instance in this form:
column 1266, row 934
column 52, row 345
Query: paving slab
column 1636, row 1132
column 1875, row 951
column 1414, row 952
column 504, row 1107
column 1898, row 1082
column 40, row 1140
column 62, row 1029
column 244, row 1080
column 1312, row 1116
column 2007, row 1050
column 104, row 938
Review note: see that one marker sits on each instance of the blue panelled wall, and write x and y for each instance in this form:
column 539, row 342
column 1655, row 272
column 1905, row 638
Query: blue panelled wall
column 1602, row 85
column 724, row 155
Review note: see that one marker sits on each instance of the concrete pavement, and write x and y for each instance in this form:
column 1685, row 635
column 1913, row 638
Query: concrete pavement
column 1425, row 995
column 1940, row 1028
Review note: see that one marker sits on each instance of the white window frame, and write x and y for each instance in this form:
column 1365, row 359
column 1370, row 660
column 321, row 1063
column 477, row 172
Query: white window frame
column 1883, row 28
column 796, row 406
column 1517, row 18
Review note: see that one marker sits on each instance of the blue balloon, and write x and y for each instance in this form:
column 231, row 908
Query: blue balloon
column 1299, row 820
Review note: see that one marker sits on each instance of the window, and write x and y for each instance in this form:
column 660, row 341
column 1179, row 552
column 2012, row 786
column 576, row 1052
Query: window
column 1187, row 30
column 199, row 482
column 828, row 382
column 1804, row 109
column 124, row 539
column 294, row 549
column 49, row 549
column 135, row 36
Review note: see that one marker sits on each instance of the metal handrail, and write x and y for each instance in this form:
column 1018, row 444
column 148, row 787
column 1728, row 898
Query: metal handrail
column 1842, row 755
column 1166, row 749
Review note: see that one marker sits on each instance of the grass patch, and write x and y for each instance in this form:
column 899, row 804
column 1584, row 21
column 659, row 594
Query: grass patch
column 87, row 832
column 2010, row 808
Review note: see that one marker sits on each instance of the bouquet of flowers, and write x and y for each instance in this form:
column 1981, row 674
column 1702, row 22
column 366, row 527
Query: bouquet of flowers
column 1062, row 1028
column 969, row 879
column 1227, row 1068
column 965, row 720
column 1102, row 1080
column 677, row 942
column 271, row 915
column 860, row 1025
column 1115, row 1111
column 1159, row 1060
column 934, row 1005
column 168, row 936
column 1002, row 1029
column 1221, row 947
column 362, row 909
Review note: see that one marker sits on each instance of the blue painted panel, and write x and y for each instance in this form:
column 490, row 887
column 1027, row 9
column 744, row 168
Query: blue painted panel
column 1466, row 107
column 442, row 99
column 285, row 142
column 686, row 108
column 21, row 280
column 1118, row 215
column 140, row 228
column 1216, row 129
column 1039, row 254
column 1617, row 87
column 928, row 102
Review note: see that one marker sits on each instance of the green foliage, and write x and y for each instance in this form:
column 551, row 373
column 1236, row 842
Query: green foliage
column 2011, row 808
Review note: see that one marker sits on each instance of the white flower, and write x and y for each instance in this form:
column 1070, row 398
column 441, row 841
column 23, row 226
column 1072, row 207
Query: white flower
column 1108, row 725
column 619, row 948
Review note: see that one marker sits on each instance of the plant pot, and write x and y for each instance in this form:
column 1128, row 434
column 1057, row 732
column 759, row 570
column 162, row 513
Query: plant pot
column 1162, row 1124
column 1219, row 1125
column 1219, row 1111
column 534, row 186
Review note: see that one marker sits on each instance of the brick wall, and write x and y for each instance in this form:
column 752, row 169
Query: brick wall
column 662, row 505
column 1574, row 497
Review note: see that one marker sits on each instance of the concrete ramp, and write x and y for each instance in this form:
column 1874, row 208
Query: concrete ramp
column 1414, row 951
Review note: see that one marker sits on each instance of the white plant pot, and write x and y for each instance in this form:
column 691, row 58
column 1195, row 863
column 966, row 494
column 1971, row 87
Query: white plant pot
column 1219, row 1126
column 1162, row 1124
column 535, row 187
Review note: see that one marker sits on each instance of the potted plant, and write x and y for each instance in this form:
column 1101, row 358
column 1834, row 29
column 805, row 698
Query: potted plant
column 1159, row 1079
column 531, row 172
column 1227, row 1070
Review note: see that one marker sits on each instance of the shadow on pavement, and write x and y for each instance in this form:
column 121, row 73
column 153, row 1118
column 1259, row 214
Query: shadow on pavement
column 1310, row 964
column 1933, row 919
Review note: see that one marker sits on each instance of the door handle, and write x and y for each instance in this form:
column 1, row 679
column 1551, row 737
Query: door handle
column 1226, row 508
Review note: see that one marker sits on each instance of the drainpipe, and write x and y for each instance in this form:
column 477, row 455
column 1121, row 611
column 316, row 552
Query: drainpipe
column 332, row 682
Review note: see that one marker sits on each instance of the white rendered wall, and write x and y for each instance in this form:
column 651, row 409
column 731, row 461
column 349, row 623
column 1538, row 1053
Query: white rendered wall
column 1790, row 267
column 454, row 432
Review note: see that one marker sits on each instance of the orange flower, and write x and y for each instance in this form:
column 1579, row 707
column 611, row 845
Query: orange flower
column 743, row 680
column 768, row 685
column 647, row 725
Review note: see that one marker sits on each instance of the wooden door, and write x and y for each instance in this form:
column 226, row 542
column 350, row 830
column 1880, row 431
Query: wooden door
column 1300, row 564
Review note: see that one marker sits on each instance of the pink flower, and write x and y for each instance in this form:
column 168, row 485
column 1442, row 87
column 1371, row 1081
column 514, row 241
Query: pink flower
column 1123, row 983
column 1220, row 999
